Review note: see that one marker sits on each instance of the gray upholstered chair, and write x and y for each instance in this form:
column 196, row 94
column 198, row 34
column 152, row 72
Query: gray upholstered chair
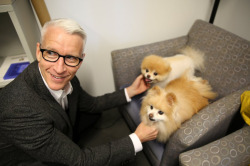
column 227, row 68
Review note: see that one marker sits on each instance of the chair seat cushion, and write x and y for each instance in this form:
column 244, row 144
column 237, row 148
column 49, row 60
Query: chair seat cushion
column 133, row 110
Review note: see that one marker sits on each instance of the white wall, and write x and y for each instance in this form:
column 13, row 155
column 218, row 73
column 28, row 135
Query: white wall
column 234, row 16
column 115, row 24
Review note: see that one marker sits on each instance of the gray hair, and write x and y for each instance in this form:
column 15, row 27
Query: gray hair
column 69, row 25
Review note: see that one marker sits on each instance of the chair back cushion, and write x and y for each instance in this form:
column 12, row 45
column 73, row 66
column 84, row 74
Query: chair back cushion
column 227, row 57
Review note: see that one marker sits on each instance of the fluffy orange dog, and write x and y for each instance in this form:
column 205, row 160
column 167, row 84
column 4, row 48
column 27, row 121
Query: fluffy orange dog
column 160, row 71
column 167, row 108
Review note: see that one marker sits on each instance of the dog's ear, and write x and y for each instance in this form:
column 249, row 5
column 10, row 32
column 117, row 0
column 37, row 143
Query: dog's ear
column 171, row 98
column 168, row 68
column 156, row 90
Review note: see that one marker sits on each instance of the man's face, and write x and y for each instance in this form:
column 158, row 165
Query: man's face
column 58, row 74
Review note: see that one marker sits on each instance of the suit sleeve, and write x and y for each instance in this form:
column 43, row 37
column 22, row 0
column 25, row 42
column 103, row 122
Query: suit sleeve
column 35, row 135
column 97, row 104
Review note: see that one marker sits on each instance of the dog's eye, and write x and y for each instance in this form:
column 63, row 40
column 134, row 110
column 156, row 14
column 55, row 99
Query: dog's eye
column 146, row 70
column 155, row 73
column 160, row 112
column 151, row 107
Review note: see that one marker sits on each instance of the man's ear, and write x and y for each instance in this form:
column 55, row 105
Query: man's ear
column 38, row 52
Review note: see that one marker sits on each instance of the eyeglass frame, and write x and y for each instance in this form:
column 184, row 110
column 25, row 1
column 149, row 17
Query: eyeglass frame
column 63, row 56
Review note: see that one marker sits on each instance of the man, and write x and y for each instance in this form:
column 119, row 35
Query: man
column 38, row 109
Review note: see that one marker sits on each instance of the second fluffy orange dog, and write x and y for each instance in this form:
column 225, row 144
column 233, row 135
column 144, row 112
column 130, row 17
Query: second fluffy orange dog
column 167, row 108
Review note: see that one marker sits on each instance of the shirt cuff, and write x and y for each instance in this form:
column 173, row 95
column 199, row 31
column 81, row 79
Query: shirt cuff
column 136, row 142
column 126, row 94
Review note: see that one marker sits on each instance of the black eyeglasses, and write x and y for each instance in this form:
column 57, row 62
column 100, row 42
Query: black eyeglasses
column 52, row 56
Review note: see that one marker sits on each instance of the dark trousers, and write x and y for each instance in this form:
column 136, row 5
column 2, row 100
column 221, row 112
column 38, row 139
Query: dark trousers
column 84, row 121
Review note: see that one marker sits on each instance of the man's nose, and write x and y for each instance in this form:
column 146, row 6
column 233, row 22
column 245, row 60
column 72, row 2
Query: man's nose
column 60, row 66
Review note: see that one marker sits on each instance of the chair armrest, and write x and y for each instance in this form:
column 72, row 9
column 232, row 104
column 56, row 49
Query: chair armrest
column 126, row 62
column 206, row 126
column 233, row 149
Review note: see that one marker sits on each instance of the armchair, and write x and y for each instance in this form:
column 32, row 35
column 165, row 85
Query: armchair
column 227, row 62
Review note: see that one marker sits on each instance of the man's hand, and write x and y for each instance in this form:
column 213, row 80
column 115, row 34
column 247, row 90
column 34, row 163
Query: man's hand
column 138, row 86
column 146, row 133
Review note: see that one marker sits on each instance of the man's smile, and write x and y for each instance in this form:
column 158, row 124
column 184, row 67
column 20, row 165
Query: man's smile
column 58, row 78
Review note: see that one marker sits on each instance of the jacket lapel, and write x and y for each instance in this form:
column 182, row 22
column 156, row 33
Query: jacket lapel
column 72, row 107
column 41, row 89
column 56, row 110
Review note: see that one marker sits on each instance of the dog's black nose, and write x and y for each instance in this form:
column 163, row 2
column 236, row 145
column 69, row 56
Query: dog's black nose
column 151, row 117
column 148, row 76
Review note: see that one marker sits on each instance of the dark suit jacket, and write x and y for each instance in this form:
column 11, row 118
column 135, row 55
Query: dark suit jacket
column 34, row 129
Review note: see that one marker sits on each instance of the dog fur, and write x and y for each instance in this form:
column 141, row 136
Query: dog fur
column 160, row 71
column 168, row 108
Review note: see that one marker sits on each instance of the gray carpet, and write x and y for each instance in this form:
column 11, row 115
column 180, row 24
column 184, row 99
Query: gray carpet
column 110, row 127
